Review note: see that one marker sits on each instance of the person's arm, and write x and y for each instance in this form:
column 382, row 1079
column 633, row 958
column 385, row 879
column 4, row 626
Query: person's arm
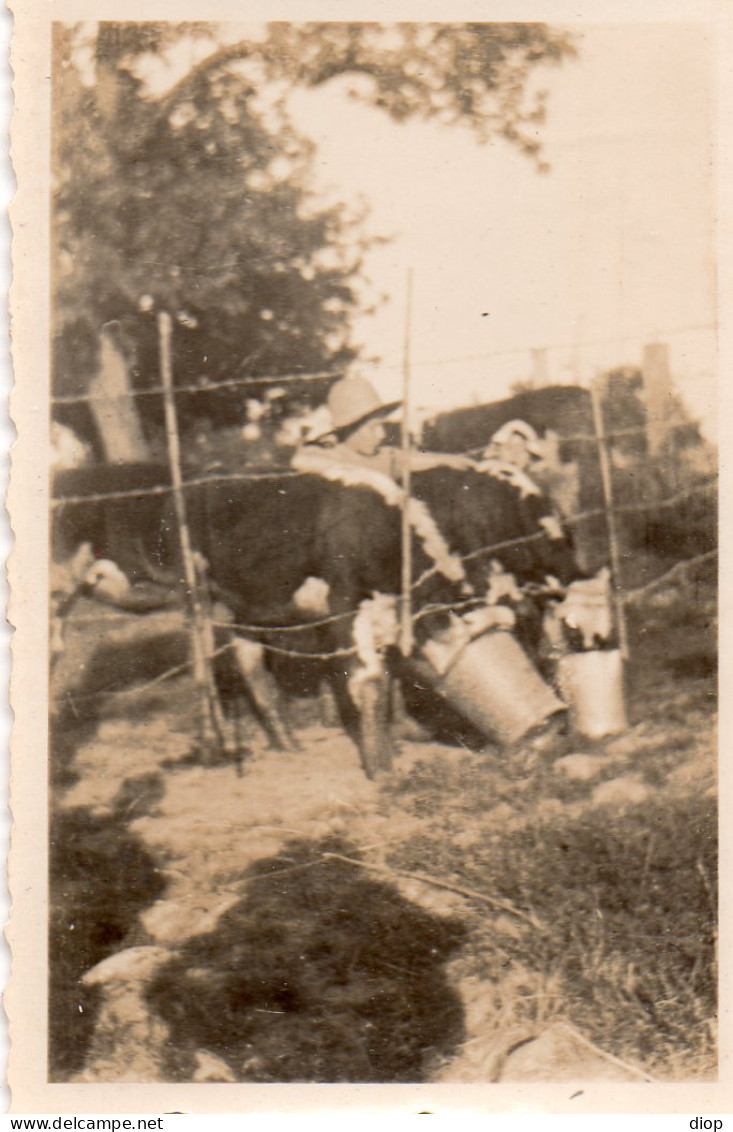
column 423, row 461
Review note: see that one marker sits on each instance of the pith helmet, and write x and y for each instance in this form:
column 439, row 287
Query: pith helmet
column 519, row 428
column 354, row 401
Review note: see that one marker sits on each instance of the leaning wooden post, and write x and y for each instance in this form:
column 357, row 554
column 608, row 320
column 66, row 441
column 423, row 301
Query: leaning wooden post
column 207, row 711
column 406, row 632
column 604, row 455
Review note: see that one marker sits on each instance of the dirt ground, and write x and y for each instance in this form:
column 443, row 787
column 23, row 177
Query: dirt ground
column 462, row 835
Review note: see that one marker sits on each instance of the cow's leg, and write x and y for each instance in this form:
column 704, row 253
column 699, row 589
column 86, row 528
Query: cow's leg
column 370, row 695
column 250, row 659
column 214, row 732
column 328, row 703
column 404, row 724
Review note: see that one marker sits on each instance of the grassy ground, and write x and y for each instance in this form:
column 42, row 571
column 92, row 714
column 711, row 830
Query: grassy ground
column 620, row 883
column 607, row 878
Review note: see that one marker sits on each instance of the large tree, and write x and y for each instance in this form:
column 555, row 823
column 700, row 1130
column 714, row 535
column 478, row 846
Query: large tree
column 198, row 199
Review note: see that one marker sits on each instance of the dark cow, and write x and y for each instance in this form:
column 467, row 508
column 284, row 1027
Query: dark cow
column 129, row 530
column 562, row 417
column 492, row 523
column 478, row 509
column 263, row 538
column 564, row 409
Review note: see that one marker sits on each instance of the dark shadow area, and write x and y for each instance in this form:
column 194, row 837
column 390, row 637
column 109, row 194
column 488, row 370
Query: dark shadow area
column 101, row 878
column 320, row 974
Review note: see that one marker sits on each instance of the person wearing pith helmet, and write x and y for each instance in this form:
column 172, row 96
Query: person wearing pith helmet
column 357, row 434
column 515, row 443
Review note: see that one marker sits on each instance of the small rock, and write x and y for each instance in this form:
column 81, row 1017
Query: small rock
column 507, row 927
column 579, row 767
column 549, row 809
column 499, row 814
column 557, row 1055
column 626, row 791
column 623, row 746
column 166, row 921
column 209, row 1067
column 133, row 965
column 170, row 921
column 466, row 838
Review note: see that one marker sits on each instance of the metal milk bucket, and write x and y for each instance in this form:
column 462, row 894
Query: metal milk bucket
column 592, row 683
column 492, row 681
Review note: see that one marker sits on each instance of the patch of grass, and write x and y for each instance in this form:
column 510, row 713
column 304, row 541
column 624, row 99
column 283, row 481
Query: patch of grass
column 628, row 914
column 320, row 974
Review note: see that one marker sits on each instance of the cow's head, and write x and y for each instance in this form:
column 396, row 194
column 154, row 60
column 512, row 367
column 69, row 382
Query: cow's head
column 509, row 524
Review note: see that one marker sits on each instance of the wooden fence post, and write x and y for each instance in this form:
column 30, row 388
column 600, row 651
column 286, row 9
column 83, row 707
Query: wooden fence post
column 406, row 631
column 112, row 404
column 604, row 456
column 657, row 377
column 209, row 717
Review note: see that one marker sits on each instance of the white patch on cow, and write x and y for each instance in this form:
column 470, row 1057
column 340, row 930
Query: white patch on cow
column 312, row 596
column 200, row 565
column 420, row 519
column 67, row 449
column 221, row 612
column 587, row 608
column 552, row 527
column 444, row 647
column 523, row 483
column 521, row 429
column 107, row 580
column 502, row 584
column 249, row 655
column 66, row 580
column 376, row 627
column 485, row 617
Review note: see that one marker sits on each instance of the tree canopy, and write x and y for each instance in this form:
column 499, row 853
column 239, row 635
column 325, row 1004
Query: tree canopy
column 199, row 199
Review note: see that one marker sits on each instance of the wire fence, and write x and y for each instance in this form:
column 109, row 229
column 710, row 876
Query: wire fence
column 602, row 437
column 256, row 475
column 680, row 571
column 203, row 386
column 484, row 551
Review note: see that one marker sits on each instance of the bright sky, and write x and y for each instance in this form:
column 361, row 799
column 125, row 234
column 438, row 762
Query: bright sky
column 615, row 243
column 614, row 247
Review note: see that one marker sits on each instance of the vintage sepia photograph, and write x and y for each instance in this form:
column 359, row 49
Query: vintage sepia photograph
column 382, row 475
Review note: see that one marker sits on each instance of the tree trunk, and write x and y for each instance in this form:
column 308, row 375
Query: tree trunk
column 114, row 410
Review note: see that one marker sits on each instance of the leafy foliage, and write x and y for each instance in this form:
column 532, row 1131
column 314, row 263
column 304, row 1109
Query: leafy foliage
column 199, row 200
column 192, row 213
column 476, row 74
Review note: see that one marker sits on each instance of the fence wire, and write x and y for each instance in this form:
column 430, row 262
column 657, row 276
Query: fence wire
column 679, row 570
column 292, row 473
column 200, row 387
column 324, row 375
